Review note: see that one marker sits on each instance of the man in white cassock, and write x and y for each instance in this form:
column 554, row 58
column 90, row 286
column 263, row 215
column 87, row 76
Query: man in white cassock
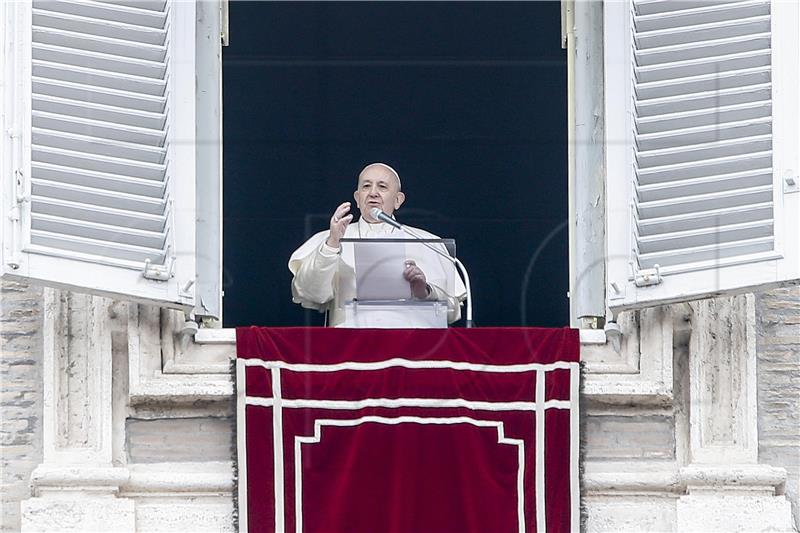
column 323, row 267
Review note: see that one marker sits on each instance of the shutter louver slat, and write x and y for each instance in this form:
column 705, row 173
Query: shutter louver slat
column 700, row 152
column 99, row 78
column 99, row 131
column 98, row 95
column 110, row 115
column 100, row 232
column 98, row 180
column 702, row 49
column 87, row 246
column 700, row 169
column 96, row 128
column 98, row 61
column 147, row 5
column 97, row 26
column 707, row 82
column 97, row 145
column 712, row 218
column 702, row 100
column 704, row 134
column 704, row 202
column 99, row 197
column 714, row 252
column 704, row 185
column 658, row 7
column 88, row 161
column 100, row 44
column 702, row 14
column 704, row 66
column 705, row 237
column 115, row 12
column 692, row 33
column 103, row 215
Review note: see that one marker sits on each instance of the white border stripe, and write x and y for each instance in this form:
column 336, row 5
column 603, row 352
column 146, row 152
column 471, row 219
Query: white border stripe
column 541, row 517
column 395, row 403
column 501, row 439
column 298, row 485
column 574, row 449
column 241, row 441
column 407, row 363
column 277, row 449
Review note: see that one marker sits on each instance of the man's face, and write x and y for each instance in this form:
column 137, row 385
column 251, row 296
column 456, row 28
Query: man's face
column 377, row 187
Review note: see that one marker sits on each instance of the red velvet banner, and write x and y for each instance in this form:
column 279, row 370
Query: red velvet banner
column 408, row 431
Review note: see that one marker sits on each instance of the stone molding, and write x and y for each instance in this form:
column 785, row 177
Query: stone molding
column 722, row 362
column 77, row 378
column 76, row 486
column 211, row 478
column 166, row 366
column 641, row 370
column 663, row 478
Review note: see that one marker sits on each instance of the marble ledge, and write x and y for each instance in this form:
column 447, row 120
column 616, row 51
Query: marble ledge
column 228, row 336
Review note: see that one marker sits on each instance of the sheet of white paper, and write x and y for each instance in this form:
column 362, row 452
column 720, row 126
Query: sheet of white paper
column 379, row 271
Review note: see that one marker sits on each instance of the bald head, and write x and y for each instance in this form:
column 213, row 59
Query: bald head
column 378, row 186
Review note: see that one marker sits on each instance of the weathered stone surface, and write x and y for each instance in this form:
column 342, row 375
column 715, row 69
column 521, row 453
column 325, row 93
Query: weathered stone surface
column 179, row 439
column 626, row 513
column 724, row 513
column 640, row 436
column 215, row 515
column 21, row 396
column 112, row 515
column 778, row 321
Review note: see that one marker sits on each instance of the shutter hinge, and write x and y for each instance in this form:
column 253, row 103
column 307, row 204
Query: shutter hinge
column 647, row 276
column 159, row 272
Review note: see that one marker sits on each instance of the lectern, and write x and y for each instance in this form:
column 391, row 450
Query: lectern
column 374, row 293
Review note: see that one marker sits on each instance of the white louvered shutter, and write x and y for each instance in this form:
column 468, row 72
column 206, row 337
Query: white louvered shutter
column 102, row 110
column 702, row 148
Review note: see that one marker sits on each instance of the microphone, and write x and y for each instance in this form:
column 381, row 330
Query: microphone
column 383, row 217
column 377, row 214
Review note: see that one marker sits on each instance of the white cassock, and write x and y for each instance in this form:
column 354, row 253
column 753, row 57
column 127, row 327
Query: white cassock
column 325, row 279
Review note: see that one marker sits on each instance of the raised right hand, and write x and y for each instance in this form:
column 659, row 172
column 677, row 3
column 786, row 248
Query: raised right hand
column 339, row 222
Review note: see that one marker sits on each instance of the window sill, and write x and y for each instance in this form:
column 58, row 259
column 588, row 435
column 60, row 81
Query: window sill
column 228, row 336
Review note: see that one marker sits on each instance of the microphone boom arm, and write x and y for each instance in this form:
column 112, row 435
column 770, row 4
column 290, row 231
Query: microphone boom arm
column 383, row 217
column 457, row 263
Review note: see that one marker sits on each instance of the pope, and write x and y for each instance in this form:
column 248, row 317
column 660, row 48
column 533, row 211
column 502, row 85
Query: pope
column 323, row 267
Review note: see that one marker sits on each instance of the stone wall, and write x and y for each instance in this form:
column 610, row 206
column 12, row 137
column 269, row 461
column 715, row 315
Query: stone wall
column 174, row 429
column 20, row 397
column 778, row 318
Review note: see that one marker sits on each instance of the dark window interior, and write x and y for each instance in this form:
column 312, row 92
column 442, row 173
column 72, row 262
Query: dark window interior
column 466, row 100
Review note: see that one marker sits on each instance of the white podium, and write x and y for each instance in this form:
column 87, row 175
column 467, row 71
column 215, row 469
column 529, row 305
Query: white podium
column 413, row 314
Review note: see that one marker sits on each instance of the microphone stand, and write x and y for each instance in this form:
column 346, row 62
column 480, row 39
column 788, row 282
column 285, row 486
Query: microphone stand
column 380, row 215
column 457, row 263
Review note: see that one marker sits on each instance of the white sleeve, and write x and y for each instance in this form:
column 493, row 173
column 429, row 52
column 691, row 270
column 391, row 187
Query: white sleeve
column 453, row 302
column 313, row 281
